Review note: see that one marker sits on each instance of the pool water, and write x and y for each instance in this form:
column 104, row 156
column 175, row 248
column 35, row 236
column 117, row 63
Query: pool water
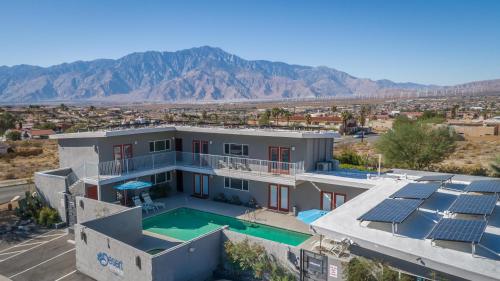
column 186, row 224
column 352, row 173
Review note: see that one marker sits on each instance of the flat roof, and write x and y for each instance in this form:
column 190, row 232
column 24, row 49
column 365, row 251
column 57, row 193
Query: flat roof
column 410, row 243
column 212, row 130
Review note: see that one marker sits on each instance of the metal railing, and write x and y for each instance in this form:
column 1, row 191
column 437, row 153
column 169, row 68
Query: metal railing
column 186, row 159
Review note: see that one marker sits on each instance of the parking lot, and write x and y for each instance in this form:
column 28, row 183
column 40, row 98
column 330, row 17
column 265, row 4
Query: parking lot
column 44, row 256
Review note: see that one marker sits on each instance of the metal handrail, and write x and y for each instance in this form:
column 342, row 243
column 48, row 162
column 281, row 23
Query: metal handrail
column 207, row 161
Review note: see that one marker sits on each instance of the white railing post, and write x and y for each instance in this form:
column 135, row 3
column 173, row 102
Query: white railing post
column 153, row 160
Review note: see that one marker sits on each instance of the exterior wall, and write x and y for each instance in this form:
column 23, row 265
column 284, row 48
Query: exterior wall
column 51, row 188
column 306, row 196
column 89, row 209
column 87, row 257
column 476, row 131
column 73, row 153
column 193, row 260
column 139, row 142
column 124, row 226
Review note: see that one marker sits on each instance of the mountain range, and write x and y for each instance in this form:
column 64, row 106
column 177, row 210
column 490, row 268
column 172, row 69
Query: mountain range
column 197, row 74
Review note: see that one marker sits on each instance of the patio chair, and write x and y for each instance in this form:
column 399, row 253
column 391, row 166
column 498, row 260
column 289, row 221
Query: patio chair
column 333, row 246
column 145, row 207
column 149, row 201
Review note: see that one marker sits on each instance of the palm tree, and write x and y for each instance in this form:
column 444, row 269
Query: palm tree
column 276, row 113
column 346, row 116
column 454, row 111
column 308, row 119
column 287, row 114
column 334, row 108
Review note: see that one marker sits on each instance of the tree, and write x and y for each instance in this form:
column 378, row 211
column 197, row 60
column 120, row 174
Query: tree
column 287, row 114
column 495, row 166
column 454, row 111
column 13, row 135
column 264, row 119
column 346, row 116
column 276, row 113
column 7, row 121
column 415, row 145
column 333, row 108
column 308, row 119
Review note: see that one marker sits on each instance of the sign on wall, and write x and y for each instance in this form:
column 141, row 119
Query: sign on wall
column 114, row 265
column 332, row 270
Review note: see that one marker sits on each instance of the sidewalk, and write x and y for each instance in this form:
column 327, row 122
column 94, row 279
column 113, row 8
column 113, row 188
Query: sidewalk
column 7, row 183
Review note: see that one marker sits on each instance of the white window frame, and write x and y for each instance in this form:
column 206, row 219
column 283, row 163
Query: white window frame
column 154, row 145
column 168, row 177
column 232, row 143
column 242, row 184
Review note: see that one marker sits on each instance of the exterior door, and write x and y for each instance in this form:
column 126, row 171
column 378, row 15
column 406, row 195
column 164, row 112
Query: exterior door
column 339, row 199
column 91, row 192
column 279, row 197
column 178, row 145
column 284, row 196
column 201, row 186
column 273, row 197
column 180, row 180
column 326, row 201
column 120, row 153
column 279, row 158
column 199, row 147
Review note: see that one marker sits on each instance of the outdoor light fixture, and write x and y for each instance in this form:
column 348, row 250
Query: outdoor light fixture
column 191, row 249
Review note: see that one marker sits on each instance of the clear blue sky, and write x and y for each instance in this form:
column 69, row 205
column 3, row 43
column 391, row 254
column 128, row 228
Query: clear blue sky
column 425, row 41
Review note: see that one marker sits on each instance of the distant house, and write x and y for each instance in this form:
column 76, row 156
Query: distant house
column 40, row 134
column 4, row 148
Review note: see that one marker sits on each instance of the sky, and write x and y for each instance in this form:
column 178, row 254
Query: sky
column 440, row 42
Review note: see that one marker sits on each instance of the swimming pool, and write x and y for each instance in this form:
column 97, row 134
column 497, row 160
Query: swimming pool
column 186, row 224
column 352, row 173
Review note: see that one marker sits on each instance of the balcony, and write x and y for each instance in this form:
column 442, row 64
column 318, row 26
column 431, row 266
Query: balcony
column 245, row 168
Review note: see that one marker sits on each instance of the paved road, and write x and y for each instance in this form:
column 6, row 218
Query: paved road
column 9, row 192
column 371, row 138
column 48, row 256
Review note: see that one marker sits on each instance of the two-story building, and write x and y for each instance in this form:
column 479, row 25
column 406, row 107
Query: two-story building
column 277, row 169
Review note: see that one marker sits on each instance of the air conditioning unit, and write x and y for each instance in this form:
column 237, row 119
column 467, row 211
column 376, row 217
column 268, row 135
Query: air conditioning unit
column 324, row 166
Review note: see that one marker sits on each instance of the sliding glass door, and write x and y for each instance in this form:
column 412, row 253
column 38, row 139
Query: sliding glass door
column 201, row 186
column 279, row 197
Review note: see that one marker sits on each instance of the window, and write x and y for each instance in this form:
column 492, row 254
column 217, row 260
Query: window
column 236, row 149
column 238, row 184
column 159, row 145
column 161, row 177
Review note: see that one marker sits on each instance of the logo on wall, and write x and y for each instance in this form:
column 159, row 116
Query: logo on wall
column 114, row 265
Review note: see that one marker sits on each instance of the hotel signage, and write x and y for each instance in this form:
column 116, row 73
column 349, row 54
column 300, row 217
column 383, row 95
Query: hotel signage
column 114, row 265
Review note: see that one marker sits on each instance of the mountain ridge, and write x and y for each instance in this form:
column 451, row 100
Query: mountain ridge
column 197, row 74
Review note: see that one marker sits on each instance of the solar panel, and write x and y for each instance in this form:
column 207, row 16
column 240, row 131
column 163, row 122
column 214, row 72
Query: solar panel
column 492, row 186
column 391, row 210
column 440, row 178
column 458, row 230
column 474, row 204
column 416, row 191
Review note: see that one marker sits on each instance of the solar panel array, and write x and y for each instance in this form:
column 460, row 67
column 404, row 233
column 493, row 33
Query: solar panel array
column 416, row 191
column 458, row 230
column 440, row 178
column 474, row 204
column 490, row 186
column 391, row 210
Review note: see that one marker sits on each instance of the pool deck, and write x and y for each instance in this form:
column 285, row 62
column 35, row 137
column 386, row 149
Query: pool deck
column 264, row 216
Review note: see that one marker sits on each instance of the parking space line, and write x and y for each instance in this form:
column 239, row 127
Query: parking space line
column 31, row 239
column 1, row 254
column 28, row 244
column 44, row 262
column 43, row 243
column 62, row 277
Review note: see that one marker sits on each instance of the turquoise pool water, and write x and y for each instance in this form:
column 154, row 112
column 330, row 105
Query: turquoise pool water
column 185, row 224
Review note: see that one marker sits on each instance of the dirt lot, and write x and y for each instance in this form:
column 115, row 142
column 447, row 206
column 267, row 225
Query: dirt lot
column 28, row 157
column 469, row 155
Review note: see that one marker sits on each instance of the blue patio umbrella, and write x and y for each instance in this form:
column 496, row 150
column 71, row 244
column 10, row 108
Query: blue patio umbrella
column 311, row 215
column 133, row 185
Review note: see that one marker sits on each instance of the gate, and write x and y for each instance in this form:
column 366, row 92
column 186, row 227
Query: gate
column 313, row 266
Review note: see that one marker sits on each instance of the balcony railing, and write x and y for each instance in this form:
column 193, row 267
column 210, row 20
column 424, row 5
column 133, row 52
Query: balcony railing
column 185, row 159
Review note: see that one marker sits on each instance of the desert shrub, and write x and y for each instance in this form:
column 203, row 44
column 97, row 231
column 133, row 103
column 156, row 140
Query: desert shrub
column 48, row 217
column 236, row 200
column 220, row 197
column 13, row 135
column 349, row 156
column 245, row 257
column 475, row 170
column 26, row 152
column 357, row 167
column 29, row 207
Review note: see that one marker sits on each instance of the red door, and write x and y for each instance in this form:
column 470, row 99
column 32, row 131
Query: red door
column 121, row 152
column 279, row 158
column 91, row 192
column 199, row 147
